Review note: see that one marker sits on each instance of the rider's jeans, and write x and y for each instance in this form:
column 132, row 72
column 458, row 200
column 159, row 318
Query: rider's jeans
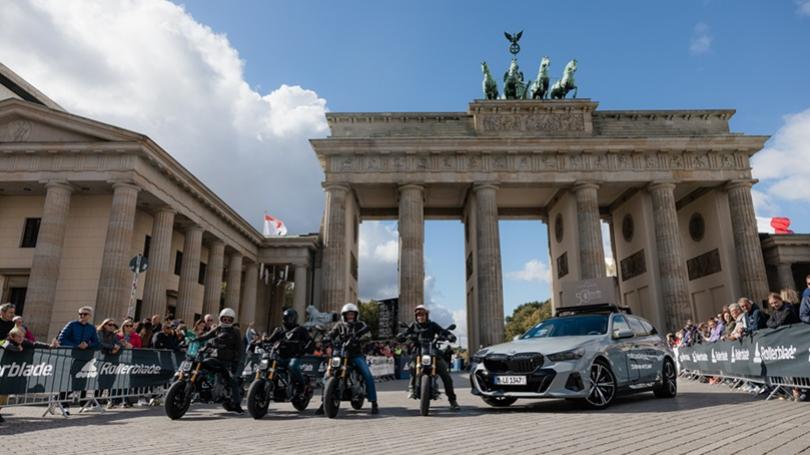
column 441, row 370
column 294, row 367
column 359, row 362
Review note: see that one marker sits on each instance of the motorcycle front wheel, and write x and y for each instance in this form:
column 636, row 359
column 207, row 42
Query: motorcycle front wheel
column 331, row 397
column 424, row 395
column 176, row 403
column 258, row 399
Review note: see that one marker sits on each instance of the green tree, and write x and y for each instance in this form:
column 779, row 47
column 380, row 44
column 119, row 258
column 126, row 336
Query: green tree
column 526, row 316
column 370, row 314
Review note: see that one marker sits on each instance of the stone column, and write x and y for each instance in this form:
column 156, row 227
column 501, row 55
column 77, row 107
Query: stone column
column 39, row 299
column 115, row 281
column 671, row 266
column 189, row 273
column 785, row 273
column 234, row 287
column 335, row 248
column 750, row 263
column 411, row 249
column 300, row 296
column 213, row 278
column 591, row 251
column 160, row 257
column 247, row 309
column 488, row 257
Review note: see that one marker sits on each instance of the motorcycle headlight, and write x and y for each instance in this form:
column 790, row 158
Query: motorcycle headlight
column 573, row 354
column 264, row 363
column 336, row 362
column 426, row 360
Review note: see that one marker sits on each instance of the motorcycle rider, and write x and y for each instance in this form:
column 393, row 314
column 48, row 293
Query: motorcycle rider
column 228, row 343
column 294, row 342
column 423, row 329
column 344, row 331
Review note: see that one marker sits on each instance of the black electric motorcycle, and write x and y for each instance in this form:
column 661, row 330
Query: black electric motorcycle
column 342, row 381
column 198, row 379
column 274, row 383
column 426, row 352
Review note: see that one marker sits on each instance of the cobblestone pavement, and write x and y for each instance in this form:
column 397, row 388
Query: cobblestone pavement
column 702, row 419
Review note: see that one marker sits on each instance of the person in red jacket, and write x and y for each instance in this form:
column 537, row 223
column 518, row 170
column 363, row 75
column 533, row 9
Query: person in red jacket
column 128, row 336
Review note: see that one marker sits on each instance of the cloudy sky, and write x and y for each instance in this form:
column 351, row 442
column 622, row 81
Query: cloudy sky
column 233, row 90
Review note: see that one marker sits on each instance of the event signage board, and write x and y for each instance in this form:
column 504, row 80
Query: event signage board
column 387, row 317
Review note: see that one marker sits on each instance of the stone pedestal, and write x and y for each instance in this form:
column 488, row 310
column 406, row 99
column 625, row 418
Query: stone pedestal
column 591, row 251
column 213, row 278
column 750, row 263
column 490, row 279
column 233, row 289
column 189, row 274
column 160, row 256
column 300, row 296
column 39, row 299
column 335, row 248
column 671, row 266
column 411, row 249
column 115, row 281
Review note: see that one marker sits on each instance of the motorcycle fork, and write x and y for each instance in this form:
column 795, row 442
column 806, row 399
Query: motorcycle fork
column 196, row 372
column 345, row 368
column 272, row 372
column 418, row 365
column 433, row 362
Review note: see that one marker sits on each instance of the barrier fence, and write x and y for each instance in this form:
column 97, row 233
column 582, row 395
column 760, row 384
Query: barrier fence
column 777, row 358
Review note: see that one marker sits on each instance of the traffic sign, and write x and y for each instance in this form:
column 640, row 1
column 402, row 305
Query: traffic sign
column 138, row 264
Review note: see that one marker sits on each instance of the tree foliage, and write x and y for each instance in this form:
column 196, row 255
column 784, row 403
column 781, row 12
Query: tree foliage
column 370, row 314
column 526, row 316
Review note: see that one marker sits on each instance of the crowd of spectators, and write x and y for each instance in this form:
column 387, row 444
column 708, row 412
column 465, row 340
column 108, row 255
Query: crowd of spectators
column 744, row 318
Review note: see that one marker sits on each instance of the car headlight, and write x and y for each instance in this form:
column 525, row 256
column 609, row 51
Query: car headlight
column 426, row 360
column 336, row 362
column 478, row 357
column 573, row 354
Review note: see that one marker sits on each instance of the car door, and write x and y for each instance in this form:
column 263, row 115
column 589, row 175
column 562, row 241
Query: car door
column 644, row 355
column 619, row 352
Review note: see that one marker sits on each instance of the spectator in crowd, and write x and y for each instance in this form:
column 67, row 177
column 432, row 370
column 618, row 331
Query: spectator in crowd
column 715, row 331
column 250, row 335
column 165, row 339
column 210, row 324
column 804, row 307
column 6, row 319
column 15, row 341
column 128, row 336
column 739, row 322
column 110, row 345
column 197, row 330
column 80, row 333
column 18, row 322
column 729, row 324
column 180, row 332
column 781, row 313
column 755, row 319
column 156, row 325
column 144, row 330
column 690, row 334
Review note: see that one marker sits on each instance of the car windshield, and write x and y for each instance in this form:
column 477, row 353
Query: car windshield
column 581, row 325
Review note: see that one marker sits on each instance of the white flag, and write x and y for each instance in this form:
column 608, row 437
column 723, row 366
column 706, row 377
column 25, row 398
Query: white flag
column 273, row 227
column 775, row 225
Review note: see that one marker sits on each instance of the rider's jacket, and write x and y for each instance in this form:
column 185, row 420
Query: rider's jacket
column 226, row 340
column 341, row 333
column 424, row 332
column 294, row 342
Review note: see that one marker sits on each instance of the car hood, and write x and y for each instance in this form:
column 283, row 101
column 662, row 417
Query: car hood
column 544, row 346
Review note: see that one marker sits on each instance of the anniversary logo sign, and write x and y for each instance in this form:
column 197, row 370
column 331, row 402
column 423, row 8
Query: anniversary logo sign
column 64, row 370
column 783, row 352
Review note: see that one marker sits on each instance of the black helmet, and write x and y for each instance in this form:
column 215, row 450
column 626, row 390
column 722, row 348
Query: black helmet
column 289, row 318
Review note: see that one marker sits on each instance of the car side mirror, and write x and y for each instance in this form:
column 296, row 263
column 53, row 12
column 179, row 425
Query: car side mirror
column 623, row 333
column 451, row 327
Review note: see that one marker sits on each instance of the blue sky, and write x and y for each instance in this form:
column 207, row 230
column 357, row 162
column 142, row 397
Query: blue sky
column 249, row 82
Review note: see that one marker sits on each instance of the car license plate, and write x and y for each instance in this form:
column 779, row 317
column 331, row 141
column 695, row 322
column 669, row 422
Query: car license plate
column 510, row 380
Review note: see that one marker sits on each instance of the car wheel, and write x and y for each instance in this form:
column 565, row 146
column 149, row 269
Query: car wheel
column 603, row 386
column 667, row 387
column 499, row 402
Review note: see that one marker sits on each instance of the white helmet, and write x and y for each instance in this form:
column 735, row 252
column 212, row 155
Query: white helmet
column 347, row 308
column 227, row 313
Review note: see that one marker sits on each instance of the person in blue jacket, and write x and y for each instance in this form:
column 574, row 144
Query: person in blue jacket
column 804, row 306
column 80, row 334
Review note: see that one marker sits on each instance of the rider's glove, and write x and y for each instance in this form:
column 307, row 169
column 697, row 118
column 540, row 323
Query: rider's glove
column 452, row 338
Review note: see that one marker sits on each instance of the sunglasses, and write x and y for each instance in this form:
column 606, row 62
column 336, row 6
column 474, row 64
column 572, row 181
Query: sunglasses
column 110, row 323
column 127, row 325
column 84, row 314
column 226, row 319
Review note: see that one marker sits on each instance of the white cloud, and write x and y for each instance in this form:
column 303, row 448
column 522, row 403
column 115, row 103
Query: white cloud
column 701, row 41
column 150, row 67
column 610, row 266
column 803, row 7
column 460, row 318
column 533, row 271
column 784, row 164
column 379, row 251
column 764, row 205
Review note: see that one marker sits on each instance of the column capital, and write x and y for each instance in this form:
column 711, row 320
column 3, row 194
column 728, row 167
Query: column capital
column 740, row 183
column 477, row 186
column 193, row 227
column 411, row 186
column 124, row 184
column 584, row 185
column 58, row 183
column 166, row 209
column 661, row 185
column 334, row 187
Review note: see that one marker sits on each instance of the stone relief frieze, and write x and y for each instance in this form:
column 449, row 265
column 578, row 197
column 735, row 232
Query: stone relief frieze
column 532, row 123
column 15, row 131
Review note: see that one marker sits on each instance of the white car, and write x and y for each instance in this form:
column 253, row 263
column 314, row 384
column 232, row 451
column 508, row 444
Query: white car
column 590, row 353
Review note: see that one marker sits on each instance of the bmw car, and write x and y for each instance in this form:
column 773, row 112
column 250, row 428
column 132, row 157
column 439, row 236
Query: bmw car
column 590, row 354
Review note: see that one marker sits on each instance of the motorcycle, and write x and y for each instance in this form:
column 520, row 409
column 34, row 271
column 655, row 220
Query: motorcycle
column 273, row 383
column 426, row 387
column 198, row 379
column 343, row 382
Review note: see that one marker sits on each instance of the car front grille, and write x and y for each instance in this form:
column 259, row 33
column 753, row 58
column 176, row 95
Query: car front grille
column 536, row 382
column 522, row 363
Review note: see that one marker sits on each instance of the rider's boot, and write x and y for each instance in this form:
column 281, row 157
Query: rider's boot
column 411, row 394
column 454, row 405
column 237, row 408
column 374, row 408
column 319, row 411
